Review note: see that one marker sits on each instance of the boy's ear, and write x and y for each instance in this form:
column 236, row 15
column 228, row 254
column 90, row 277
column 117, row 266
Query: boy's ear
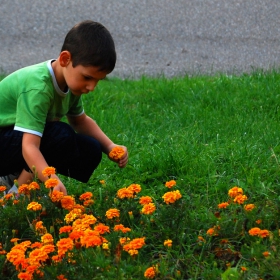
column 64, row 58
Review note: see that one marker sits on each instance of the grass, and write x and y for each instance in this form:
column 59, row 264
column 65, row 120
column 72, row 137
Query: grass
column 209, row 134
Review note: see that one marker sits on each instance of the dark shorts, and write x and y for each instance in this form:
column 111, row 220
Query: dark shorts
column 72, row 154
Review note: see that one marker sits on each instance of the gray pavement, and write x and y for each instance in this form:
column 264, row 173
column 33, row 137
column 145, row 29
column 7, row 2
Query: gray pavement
column 153, row 37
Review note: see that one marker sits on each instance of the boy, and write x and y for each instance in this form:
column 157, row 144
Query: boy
column 35, row 98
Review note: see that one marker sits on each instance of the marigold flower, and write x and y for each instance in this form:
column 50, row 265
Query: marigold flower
column 223, row 205
column 33, row 186
column 105, row 246
column 125, row 193
column 2, row 188
column 91, row 238
column 148, row 209
column 102, row 182
column 75, row 235
column 101, row 228
column 64, row 245
column 145, row 200
column 116, row 153
column 48, row 171
column 167, row 243
column 61, row 277
column 86, row 195
column 15, row 240
column 233, row 192
column 34, row 206
column 65, row 229
column 170, row 184
column 36, row 245
column 23, row 189
column 240, row 199
column 51, row 183
column 47, row 239
column 249, row 207
column 72, row 215
column 266, row 254
column 88, row 202
column 37, row 256
column 56, row 196
column 263, row 233
column 8, row 196
column 171, row 197
column 135, row 188
column 258, row 221
column 121, row 228
column 254, row 231
column 150, row 272
column 112, row 213
column 25, row 276
column 133, row 252
column 67, row 202
column 124, row 240
column 243, row 268
column 135, row 244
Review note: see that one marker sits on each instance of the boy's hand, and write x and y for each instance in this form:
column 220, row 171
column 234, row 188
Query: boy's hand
column 61, row 188
column 122, row 161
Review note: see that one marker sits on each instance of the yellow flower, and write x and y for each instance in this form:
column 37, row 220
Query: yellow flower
column 233, row 192
column 103, row 182
column 170, row 184
column 116, row 153
column 34, row 206
column 148, row 209
column 168, row 243
column 133, row 252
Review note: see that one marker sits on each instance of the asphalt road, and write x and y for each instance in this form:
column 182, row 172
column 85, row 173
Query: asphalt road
column 153, row 37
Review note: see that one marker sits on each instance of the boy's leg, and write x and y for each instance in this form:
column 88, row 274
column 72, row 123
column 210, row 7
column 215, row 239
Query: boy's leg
column 72, row 154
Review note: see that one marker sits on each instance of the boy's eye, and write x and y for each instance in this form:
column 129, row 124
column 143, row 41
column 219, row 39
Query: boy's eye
column 87, row 78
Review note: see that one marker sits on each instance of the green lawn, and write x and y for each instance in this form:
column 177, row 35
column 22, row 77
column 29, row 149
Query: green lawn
column 209, row 134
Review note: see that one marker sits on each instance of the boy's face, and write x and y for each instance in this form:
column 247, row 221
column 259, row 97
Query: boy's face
column 81, row 79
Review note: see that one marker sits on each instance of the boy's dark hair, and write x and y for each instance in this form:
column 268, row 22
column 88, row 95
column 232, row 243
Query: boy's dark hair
column 91, row 44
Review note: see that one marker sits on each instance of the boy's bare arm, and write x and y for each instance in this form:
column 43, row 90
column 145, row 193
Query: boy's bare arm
column 33, row 157
column 85, row 125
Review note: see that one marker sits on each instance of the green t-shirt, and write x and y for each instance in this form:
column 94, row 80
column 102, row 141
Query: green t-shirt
column 30, row 97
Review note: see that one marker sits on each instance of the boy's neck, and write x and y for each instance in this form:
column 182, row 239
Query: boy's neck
column 57, row 69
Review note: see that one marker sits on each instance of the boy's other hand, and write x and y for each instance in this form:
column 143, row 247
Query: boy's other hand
column 61, row 188
column 124, row 159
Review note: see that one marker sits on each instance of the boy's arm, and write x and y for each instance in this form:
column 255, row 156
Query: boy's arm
column 85, row 125
column 33, row 157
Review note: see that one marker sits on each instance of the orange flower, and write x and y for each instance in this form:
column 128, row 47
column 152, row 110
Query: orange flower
column 258, row 221
column 2, row 188
column 33, row 186
column 102, row 182
column 65, row 229
column 170, row 184
column 263, row 233
column 266, row 254
column 85, row 196
column 48, row 171
column 200, row 239
column 171, row 197
column 101, row 228
column 135, row 188
column 88, row 202
column 167, row 243
column 121, row 228
column 23, row 189
column 125, row 193
column 64, row 245
column 233, row 192
column 61, row 277
column 148, row 209
column 34, row 206
column 223, row 205
column 243, row 268
column 254, row 231
column 145, row 200
column 25, row 276
column 67, row 202
column 47, row 239
column 135, row 244
column 150, row 272
column 51, row 183
column 249, row 207
column 56, row 196
column 91, row 238
column 240, row 199
column 112, row 213
column 116, row 153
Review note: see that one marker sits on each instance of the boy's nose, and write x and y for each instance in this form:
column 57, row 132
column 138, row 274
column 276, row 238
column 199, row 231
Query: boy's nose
column 91, row 86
